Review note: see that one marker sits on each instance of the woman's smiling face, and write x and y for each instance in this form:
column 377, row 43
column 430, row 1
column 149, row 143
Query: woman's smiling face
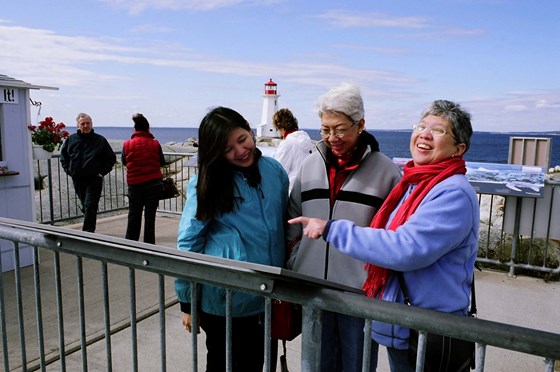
column 240, row 148
column 346, row 141
column 426, row 147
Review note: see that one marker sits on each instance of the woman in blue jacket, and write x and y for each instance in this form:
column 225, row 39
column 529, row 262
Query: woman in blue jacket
column 427, row 228
column 235, row 209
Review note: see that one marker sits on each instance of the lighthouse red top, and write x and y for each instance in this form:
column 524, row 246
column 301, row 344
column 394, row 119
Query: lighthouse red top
column 270, row 87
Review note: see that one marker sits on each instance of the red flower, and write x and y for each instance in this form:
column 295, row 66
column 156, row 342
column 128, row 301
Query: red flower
column 48, row 134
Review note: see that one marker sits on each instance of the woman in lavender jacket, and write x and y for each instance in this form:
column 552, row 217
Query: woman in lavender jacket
column 427, row 229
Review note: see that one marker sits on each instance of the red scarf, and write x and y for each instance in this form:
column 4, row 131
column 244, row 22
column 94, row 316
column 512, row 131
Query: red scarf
column 287, row 132
column 426, row 177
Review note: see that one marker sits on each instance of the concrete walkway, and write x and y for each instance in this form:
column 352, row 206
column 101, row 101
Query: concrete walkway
column 521, row 301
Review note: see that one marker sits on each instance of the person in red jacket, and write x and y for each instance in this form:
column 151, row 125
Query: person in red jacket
column 143, row 157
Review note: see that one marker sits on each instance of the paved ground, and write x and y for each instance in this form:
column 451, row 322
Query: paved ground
column 521, row 301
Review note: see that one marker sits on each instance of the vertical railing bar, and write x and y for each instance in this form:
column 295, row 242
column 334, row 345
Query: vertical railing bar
column 124, row 188
column 532, row 236
column 502, row 230
column 107, row 315
column 229, row 331
column 549, row 365
column 19, row 302
column 51, row 202
column 366, row 357
column 490, row 223
column 547, row 239
column 62, row 352
column 133, row 330
column 3, row 320
column 116, row 185
column 39, row 307
column 195, row 324
column 162, row 333
column 515, row 241
column 311, row 328
column 421, row 351
column 39, row 183
column 110, row 183
column 81, row 312
column 70, row 199
column 480, row 357
column 59, row 180
column 267, row 338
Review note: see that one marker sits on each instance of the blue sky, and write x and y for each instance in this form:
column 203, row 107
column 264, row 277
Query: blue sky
column 174, row 59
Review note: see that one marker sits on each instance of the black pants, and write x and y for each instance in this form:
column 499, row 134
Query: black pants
column 143, row 197
column 89, row 190
column 247, row 343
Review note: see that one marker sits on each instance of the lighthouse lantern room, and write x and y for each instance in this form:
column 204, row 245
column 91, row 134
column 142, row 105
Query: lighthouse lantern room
column 270, row 106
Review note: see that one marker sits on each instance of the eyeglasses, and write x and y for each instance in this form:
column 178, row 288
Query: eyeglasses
column 438, row 132
column 338, row 133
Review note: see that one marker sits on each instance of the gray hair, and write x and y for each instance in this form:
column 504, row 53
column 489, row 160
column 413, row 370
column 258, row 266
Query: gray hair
column 344, row 98
column 459, row 119
column 83, row 115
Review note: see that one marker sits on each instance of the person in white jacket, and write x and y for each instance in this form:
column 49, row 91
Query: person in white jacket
column 296, row 144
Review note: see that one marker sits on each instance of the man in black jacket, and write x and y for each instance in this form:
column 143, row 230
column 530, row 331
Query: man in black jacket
column 87, row 157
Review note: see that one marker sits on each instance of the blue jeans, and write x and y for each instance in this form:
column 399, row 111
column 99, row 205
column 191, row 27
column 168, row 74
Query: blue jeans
column 398, row 360
column 342, row 344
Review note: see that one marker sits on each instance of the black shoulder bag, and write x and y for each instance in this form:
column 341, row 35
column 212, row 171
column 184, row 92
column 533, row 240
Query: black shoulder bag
column 443, row 353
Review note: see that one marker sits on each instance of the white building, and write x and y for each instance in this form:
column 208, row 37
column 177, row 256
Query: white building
column 17, row 191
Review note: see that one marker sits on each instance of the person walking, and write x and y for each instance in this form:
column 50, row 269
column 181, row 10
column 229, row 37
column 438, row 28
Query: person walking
column 87, row 157
column 347, row 177
column 236, row 209
column 143, row 158
column 295, row 147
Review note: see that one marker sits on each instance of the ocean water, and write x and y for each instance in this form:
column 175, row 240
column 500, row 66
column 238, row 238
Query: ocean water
column 486, row 147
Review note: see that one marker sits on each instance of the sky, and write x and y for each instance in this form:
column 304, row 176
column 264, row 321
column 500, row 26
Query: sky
column 173, row 60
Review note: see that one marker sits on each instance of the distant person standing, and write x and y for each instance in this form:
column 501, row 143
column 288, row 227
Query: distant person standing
column 143, row 157
column 296, row 145
column 87, row 157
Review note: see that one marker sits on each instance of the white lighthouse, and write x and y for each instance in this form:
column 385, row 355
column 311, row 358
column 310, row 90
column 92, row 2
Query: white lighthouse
column 270, row 106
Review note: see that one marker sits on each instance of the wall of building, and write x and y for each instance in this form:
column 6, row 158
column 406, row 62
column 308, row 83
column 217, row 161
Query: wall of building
column 17, row 192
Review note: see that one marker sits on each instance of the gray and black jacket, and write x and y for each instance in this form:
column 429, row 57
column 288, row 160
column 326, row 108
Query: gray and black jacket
column 359, row 198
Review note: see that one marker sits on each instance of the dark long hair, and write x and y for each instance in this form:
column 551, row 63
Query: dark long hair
column 215, row 188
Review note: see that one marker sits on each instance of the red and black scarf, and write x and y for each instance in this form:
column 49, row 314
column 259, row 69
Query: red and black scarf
column 425, row 177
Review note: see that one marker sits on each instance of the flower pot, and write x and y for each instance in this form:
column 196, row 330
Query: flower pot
column 40, row 153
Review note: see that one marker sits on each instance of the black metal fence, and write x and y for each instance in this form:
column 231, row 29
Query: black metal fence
column 56, row 203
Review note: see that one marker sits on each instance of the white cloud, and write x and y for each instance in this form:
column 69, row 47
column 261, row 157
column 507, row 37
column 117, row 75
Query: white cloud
column 349, row 19
column 545, row 104
column 516, row 108
column 139, row 6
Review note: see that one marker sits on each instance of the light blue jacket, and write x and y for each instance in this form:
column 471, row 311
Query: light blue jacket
column 435, row 249
column 253, row 232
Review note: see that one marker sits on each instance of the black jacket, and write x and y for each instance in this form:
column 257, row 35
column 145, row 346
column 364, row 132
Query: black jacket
column 87, row 155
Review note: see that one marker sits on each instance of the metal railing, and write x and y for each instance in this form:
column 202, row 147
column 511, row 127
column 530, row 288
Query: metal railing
column 512, row 249
column 74, row 267
column 57, row 201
